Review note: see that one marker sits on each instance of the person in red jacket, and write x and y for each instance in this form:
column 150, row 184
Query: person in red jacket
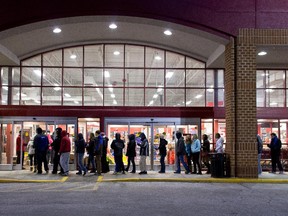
column 65, row 148
column 18, row 149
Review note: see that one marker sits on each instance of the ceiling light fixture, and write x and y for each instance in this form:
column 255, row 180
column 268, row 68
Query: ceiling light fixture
column 169, row 74
column 106, row 74
column 168, row 32
column 155, row 95
column 112, row 95
column 198, row 96
column 114, row 102
column 76, row 102
column 67, row 95
column 57, row 30
column 158, row 58
column 113, row 26
column 262, row 53
column 116, row 53
column 73, row 56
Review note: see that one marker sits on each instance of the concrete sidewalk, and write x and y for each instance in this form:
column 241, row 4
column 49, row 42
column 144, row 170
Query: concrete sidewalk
column 25, row 176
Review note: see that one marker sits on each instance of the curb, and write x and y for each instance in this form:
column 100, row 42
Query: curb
column 33, row 181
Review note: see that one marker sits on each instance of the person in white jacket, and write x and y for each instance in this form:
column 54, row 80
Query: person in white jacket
column 219, row 143
column 31, row 154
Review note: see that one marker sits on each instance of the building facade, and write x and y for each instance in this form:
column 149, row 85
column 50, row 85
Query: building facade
column 162, row 67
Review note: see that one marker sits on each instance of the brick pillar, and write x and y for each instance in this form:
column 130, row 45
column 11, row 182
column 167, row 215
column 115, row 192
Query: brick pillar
column 240, row 105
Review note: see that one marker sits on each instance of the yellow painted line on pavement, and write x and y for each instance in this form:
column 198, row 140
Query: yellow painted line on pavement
column 99, row 180
column 201, row 180
column 63, row 179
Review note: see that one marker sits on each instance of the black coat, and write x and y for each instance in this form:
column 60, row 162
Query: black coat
column 131, row 149
column 162, row 147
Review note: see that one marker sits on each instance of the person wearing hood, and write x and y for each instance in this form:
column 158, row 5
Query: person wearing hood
column 80, row 150
column 65, row 148
column 144, row 152
column 56, row 148
column 118, row 145
column 131, row 153
column 41, row 147
column 163, row 152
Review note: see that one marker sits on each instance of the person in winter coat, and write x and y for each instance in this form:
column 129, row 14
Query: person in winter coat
column 163, row 152
column 275, row 147
column 259, row 149
column 80, row 150
column 188, row 143
column 65, row 148
column 31, row 154
column 180, row 151
column 131, row 153
column 104, row 162
column 98, row 142
column 206, row 151
column 18, row 149
column 144, row 152
column 219, row 143
column 91, row 149
column 195, row 149
column 41, row 144
column 118, row 145
column 56, row 147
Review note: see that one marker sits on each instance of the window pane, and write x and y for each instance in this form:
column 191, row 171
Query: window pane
column 15, row 96
column 113, row 97
column 260, row 79
column 260, row 98
column 154, row 58
column 16, row 76
column 114, row 56
column 31, row 76
column 53, row 58
column 195, row 97
column 275, row 98
column 30, row 96
column 275, row 79
column 53, row 77
column 73, row 57
column 4, row 73
column 134, row 56
column 72, row 77
column 193, row 63
column 154, row 97
column 210, row 79
column 220, row 74
column 93, row 96
column 175, row 97
column 93, row 77
column 220, row 97
column 51, row 96
column 174, row 60
column 34, row 61
column 134, row 97
column 93, row 56
column 114, row 77
column 210, row 97
column 175, row 78
column 72, row 96
column 134, row 77
column 195, row 78
column 154, row 78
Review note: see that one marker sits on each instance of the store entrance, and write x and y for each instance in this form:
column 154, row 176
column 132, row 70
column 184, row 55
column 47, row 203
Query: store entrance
column 16, row 134
column 152, row 128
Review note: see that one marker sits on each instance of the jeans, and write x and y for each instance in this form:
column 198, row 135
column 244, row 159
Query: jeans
column 276, row 161
column 92, row 161
column 41, row 157
column 131, row 159
column 259, row 164
column 162, row 162
column 181, row 159
column 119, row 163
column 80, row 163
column 195, row 158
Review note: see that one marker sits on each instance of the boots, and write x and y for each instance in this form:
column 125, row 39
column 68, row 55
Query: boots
column 35, row 169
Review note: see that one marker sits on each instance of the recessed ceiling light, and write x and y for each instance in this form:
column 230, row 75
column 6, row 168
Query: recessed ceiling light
column 114, row 102
column 57, row 30
column 73, row 56
column 112, row 26
column 57, row 88
column 76, row 102
column 5, row 87
column 106, row 74
column 112, row 95
column 67, row 95
column 198, row 96
column 116, row 53
column 155, row 95
column 168, row 32
column 169, row 74
column 262, row 53
column 157, row 57
column 188, row 102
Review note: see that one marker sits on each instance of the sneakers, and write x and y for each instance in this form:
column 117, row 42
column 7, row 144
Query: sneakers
column 115, row 173
column 176, row 172
column 84, row 173
column 79, row 173
column 132, row 171
column 143, row 172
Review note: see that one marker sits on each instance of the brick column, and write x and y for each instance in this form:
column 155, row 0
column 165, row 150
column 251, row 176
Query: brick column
column 240, row 97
